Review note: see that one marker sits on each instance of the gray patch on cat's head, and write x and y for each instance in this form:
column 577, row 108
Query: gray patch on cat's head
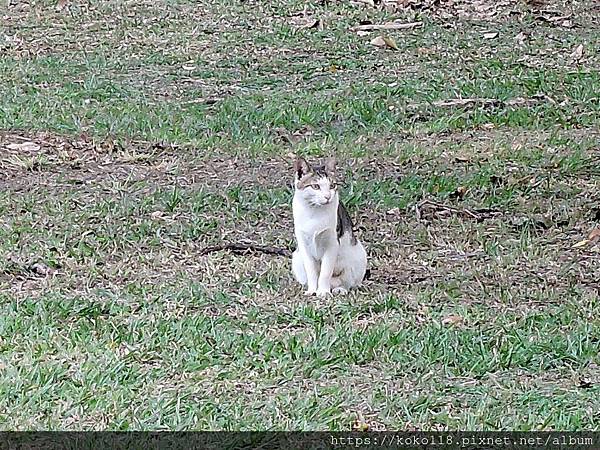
column 327, row 169
column 306, row 174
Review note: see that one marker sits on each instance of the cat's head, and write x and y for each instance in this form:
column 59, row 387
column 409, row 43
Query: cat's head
column 316, row 185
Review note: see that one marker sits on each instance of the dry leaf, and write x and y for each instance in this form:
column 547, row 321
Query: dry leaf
column 581, row 243
column 61, row 4
column 41, row 269
column 379, row 42
column 391, row 43
column 452, row 319
column 577, row 53
column 24, row 147
column 385, row 42
column 594, row 235
column 491, row 35
column 521, row 38
column 359, row 425
column 592, row 238
column 536, row 3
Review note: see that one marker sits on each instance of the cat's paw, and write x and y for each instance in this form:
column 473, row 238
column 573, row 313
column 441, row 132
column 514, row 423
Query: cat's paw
column 309, row 293
column 323, row 293
column 339, row 291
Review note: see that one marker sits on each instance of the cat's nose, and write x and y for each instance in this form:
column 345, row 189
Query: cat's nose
column 327, row 196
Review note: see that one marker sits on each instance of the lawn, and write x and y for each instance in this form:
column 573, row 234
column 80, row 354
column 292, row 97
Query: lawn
column 133, row 135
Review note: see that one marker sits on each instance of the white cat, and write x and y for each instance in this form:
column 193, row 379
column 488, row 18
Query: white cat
column 329, row 257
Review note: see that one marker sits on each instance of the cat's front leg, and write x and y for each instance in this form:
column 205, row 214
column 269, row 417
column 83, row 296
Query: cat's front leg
column 312, row 271
column 327, row 267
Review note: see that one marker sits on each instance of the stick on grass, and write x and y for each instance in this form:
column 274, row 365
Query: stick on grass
column 244, row 249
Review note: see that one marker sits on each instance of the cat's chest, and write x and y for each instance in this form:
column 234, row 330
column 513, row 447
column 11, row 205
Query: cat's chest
column 316, row 237
column 315, row 229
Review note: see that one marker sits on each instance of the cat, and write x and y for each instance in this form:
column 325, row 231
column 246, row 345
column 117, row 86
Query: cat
column 329, row 258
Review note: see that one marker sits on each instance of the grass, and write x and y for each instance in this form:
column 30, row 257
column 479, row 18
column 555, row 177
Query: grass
column 164, row 128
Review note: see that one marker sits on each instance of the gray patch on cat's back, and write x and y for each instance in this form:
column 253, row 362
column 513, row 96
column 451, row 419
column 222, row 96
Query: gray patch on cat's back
column 344, row 223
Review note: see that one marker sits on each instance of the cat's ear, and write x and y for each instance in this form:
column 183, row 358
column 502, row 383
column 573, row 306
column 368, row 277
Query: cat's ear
column 330, row 166
column 301, row 167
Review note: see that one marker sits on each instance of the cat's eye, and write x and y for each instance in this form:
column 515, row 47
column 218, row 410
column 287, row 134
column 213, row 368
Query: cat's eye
column 316, row 187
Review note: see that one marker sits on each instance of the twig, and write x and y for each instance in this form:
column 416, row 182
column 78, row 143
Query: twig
column 242, row 249
column 203, row 101
column 32, row 139
column 386, row 26
column 466, row 101
column 517, row 101
column 478, row 214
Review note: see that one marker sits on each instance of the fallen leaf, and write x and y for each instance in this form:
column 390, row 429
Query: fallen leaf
column 384, row 42
column 391, row 43
column 535, row 3
column 359, row 425
column 581, row 244
column 577, row 53
column 61, row 4
column 491, row 35
column 521, row 38
column 24, row 147
column 378, row 42
column 592, row 238
column 594, row 235
column 41, row 269
column 452, row 319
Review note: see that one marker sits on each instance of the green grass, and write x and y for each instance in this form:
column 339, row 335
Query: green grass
column 164, row 128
